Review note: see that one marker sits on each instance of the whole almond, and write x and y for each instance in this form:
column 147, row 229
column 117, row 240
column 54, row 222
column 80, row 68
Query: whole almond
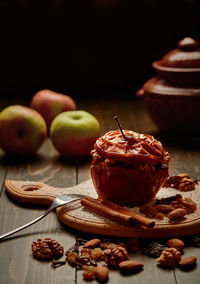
column 177, row 214
column 187, row 262
column 128, row 266
column 92, row 243
column 163, row 208
column 101, row 273
column 175, row 243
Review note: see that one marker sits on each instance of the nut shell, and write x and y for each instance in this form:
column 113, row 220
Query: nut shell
column 175, row 243
column 187, row 262
column 169, row 257
column 114, row 255
column 164, row 208
column 46, row 249
column 128, row 266
column 177, row 214
column 101, row 273
column 92, row 243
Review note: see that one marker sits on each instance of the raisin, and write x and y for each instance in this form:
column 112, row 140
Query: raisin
column 87, row 255
column 72, row 257
column 96, row 253
column 83, row 259
column 86, row 250
column 88, row 275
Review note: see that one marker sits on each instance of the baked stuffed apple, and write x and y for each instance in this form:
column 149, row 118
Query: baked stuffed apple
column 128, row 168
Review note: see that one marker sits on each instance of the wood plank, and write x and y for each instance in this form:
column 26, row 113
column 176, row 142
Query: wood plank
column 3, row 173
column 18, row 265
column 193, row 276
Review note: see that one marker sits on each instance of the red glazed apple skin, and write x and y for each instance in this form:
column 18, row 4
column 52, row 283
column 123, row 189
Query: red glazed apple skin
column 126, row 186
column 128, row 173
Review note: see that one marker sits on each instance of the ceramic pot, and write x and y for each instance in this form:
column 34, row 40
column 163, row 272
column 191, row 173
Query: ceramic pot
column 172, row 99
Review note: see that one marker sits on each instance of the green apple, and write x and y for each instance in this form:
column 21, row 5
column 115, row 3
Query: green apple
column 22, row 130
column 49, row 104
column 74, row 133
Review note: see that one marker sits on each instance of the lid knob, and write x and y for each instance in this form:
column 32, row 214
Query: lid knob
column 188, row 44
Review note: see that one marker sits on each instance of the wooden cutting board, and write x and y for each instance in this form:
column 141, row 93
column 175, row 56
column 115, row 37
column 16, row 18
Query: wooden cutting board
column 78, row 217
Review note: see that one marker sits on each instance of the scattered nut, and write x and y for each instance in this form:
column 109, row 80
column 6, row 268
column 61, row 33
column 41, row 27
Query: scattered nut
column 101, row 273
column 169, row 257
column 164, row 208
column 114, row 255
column 129, row 266
column 177, row 214
column 168, row 205
column 186, row 185
column 189, row 205
column 175, row 243
column 187, row 262
column 92, row 243
column 106, row 245
column 47, row 249
column 181, row 182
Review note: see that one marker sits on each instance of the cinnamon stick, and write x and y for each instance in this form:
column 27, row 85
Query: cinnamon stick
column 97, row 207
column 146, row 222
column 115, row 212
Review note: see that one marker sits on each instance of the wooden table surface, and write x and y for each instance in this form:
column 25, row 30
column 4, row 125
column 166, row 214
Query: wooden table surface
column 17, row 264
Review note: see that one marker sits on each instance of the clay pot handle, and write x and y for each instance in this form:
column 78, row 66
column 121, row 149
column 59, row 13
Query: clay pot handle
column 140, row 93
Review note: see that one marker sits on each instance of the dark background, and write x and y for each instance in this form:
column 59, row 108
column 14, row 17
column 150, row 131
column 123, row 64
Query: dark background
column 79, row 47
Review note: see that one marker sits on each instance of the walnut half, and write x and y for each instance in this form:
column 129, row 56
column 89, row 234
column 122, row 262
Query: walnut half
column 47, row 249
column 169, row 257
column 114, row 255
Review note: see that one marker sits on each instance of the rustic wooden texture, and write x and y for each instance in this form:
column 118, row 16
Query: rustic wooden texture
column 76, row 216
column 45, row 167
column 16, row 262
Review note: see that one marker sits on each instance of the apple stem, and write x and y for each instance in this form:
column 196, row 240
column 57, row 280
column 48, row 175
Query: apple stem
column 117, row 119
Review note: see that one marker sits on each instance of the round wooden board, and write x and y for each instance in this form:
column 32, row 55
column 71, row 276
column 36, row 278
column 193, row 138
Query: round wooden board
column 78, row 217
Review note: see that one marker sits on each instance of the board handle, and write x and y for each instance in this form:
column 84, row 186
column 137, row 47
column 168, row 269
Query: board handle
column 32, row 192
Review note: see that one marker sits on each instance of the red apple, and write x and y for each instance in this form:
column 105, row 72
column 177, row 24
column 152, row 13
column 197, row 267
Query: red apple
column 49, row 104
column 74, row 133
column 22, row 129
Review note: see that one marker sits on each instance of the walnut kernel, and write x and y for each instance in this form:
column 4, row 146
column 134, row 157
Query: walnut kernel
column 169, row 257
column 114, row 255
column 47, row 249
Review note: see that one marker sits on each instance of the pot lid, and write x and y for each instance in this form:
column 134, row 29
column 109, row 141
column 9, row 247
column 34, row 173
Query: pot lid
column 186, row 55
